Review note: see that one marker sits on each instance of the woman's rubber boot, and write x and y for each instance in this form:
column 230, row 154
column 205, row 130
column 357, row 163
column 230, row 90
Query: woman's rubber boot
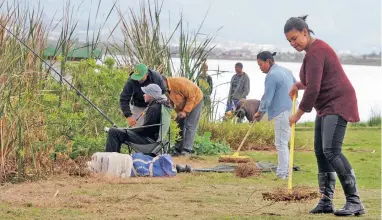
column 327, row 183
column 353, row 205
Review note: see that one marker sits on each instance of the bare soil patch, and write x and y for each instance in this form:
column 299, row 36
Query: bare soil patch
column 298, row 194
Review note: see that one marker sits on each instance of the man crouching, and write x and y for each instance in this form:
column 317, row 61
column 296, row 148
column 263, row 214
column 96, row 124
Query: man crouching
column 245, row 108
column 144, row 135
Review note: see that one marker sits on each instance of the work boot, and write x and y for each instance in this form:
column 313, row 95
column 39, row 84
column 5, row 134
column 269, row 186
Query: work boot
column 175, row 154
column 177, row 151
column 185, row 153
column 353, row 205
column 183, row 169
column 326, row 183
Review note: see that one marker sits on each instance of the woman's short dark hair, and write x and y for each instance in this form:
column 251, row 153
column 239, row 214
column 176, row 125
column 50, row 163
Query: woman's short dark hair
column 266, row 55
column 297, row 23
column 239, row 65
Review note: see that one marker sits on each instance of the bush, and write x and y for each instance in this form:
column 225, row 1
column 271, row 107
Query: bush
column 204, row 146
column 375, row 119
column 109, row 62
column 261, row 136
column 86, row 146
column 41, row 116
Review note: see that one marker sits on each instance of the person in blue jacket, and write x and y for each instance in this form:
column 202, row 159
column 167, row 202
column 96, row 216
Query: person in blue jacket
column 277, row 103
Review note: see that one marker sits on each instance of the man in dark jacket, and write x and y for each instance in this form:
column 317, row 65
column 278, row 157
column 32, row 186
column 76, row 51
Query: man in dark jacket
column 131, row 99
column 239, row 87
column 145, row 135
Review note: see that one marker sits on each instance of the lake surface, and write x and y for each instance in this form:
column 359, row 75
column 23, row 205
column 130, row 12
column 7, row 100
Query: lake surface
column 367, row 82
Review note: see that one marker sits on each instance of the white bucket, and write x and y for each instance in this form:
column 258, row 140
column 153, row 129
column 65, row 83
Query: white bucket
column 112, row 163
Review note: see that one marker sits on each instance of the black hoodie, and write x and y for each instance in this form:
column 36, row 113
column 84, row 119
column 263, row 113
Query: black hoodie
column 152, row 116
column 133, row 93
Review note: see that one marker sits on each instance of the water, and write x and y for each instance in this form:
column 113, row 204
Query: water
column 365, row 79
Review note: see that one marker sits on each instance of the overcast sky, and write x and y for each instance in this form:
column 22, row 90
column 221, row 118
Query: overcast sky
column 345, row 24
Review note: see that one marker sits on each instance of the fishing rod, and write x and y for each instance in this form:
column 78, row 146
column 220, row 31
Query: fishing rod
column 220, row 71
column 50, row 67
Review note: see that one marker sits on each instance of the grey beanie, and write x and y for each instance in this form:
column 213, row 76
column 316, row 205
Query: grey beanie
column 153, row 90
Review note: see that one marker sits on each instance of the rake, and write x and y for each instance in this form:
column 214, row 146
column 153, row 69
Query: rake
column 235, row 157
column 291, row 153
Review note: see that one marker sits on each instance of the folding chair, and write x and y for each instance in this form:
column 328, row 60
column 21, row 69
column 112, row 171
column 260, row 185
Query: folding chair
column 162, row 144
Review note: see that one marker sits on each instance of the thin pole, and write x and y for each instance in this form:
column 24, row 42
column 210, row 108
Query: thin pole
column 291, row 153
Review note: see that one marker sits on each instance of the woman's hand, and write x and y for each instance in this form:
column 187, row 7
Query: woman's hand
column 294, row 119
column 293, row 91
column 257, row 116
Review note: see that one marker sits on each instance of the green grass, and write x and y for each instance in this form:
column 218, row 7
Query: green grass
column 10, row 212
column 374, row 121
column 197, row 195
column 365, row 139
column 366, row 164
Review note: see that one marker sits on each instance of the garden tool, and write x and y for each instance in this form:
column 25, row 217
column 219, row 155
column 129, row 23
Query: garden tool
column 223, row 168
column 229, row 168
column 235, row 158
column 291, row 150
column 142, row 114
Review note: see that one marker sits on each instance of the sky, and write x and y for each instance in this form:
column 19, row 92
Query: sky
column 347, row 25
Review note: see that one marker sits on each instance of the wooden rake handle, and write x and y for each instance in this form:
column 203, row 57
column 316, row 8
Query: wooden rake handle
column 245, row 137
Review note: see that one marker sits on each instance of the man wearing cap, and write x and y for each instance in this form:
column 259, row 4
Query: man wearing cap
column 239, row 88
column 186, row 98
column 154, row 98
column 131, row 99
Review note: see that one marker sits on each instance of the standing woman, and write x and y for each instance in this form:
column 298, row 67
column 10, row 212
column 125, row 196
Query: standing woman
column 330, row 92
column 278, row 105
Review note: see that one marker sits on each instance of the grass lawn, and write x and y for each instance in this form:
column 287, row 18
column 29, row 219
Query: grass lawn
column 197, row 195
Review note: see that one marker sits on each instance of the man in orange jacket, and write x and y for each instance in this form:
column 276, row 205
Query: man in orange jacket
column 186, row 98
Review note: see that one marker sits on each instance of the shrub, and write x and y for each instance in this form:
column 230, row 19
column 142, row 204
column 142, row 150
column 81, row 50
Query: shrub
column 375, row 119
column 204, row 146
column 261, row 136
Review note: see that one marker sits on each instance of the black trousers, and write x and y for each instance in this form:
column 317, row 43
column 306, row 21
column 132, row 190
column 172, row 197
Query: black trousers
column 116, row 137
column 328, row 138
